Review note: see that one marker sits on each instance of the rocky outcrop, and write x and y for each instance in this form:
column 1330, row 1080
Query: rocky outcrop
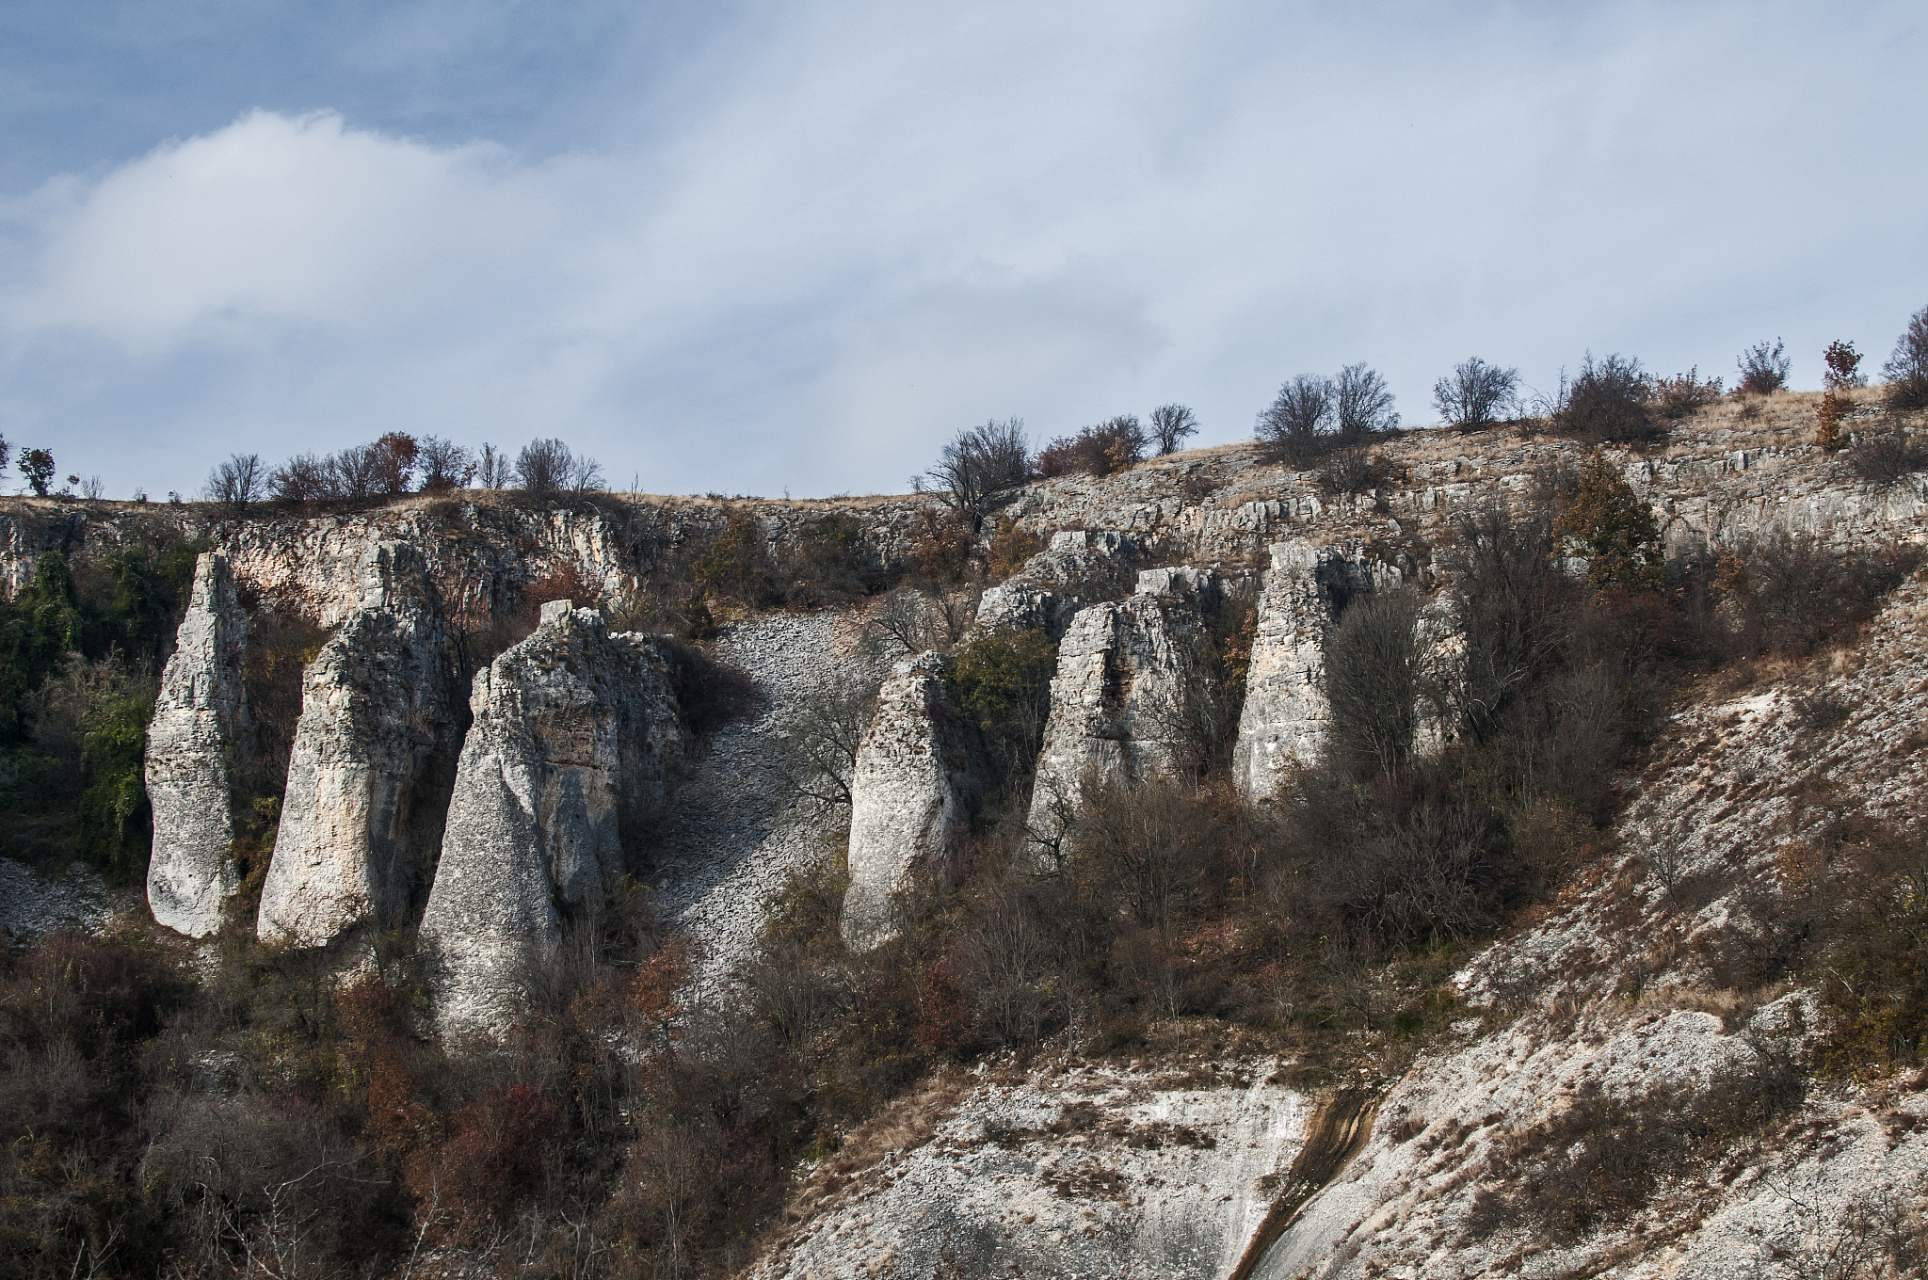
column 200, row 712
column 565, row 765
column 1077, row 568
column 1283, row 723
column 373, row 761
column 909, row 796
column 1118, row 699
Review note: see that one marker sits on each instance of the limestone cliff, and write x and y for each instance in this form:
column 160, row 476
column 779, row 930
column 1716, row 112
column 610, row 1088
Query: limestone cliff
column 909, row 795
column 200, row 711
column 372, row 764
column 1283, row 721
column 1075, row 569
column 1118, row 699
column 565, row 764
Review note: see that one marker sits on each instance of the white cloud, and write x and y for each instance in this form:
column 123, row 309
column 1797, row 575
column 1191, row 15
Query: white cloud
column 863, row 226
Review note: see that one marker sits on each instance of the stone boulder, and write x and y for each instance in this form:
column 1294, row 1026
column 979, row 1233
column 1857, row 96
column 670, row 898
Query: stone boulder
column 1076, row 568
column 372, row 764
column 567, row 763
column 910, row 795
column 1284, row 720
column 1118, row 698
column 201, row 711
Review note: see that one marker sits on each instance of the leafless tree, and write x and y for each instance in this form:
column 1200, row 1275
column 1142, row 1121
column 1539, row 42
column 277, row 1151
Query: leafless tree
column 817, row 748
column 1362, row 403
column 1907, row 369
column 492, row 468
column 1373, row 673
column 902, row 623
column 979, row 468
column 358, row 471
column 1476, row 393
column 237, row 482
column 1171, row 424
column 1297, row 427
column 445, row 465
column 305, row 478
column 547, row 466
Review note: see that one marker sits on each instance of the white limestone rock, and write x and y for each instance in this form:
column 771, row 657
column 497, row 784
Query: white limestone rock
column 1076, row 568
column 372, row 764
column 1117, row 699
column 200, row 712
column 565, row 765
column 909, row 796
column 1283, row 723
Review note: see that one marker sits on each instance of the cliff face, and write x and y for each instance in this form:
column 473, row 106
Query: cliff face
column 373, row 762
column 200, row 711
column 1118, row 699
column 1282, row 723
column 567, row 761
column 909, row 795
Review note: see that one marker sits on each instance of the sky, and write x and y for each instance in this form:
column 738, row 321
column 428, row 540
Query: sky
column 772, row 248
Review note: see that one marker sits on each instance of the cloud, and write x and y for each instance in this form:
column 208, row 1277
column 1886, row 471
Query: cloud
column 836, row 233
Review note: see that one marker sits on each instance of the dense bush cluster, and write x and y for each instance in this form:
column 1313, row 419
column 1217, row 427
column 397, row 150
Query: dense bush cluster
column 80, row 654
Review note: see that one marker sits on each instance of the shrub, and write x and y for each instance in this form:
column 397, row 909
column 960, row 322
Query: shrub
column 1000, row 683
column 1011, row 546
column 941, row 546
column 496, row 1156
column 710, row 692
column 37, row 469
column 1790, row 595
column 1606, row 403
column 1476, row 393
column 737, row 567
column 1373, row 675
column 829, row 562
column 1117, row 445
column 1511, row 610
column 1615, row 529
column 1885, row 458
column 1683, row 394
column 1843, row 374
column 1764, row 369
column 446, row 465
column 1352, row 469
column 1906, row 370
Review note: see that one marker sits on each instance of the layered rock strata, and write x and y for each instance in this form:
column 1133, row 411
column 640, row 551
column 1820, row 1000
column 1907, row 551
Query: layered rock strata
column 372, row 764
column 1076, row 568
column 1283, row 723
column 565, row 765
column 909, row 796
column 201, row 710
column 1118, row 698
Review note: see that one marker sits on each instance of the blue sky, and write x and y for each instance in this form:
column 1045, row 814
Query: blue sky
column 759, row 247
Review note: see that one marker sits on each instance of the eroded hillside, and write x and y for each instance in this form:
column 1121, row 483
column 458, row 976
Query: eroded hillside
column 1237, row 875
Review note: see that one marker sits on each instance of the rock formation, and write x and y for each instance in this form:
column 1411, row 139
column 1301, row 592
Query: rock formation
column 1284, row 719
column 200, row 711
column 566, row 762
column 909, row 795
column 372, row 764
column 1077, row 568
column 1118, row 699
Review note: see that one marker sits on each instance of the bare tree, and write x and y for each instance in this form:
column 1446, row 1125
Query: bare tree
column 237, row 482
column 817, row 748
column 492, row 468
column 902, row 624
column 1475, row 393
column 548, row 466
column 1170, row 425
column 1362, row 403
column 1297, row 426
column 1906, row 370
column 305, row 478
column 1372, row 681
column 1764, row 368
column 979, row 468
column 445, row 464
